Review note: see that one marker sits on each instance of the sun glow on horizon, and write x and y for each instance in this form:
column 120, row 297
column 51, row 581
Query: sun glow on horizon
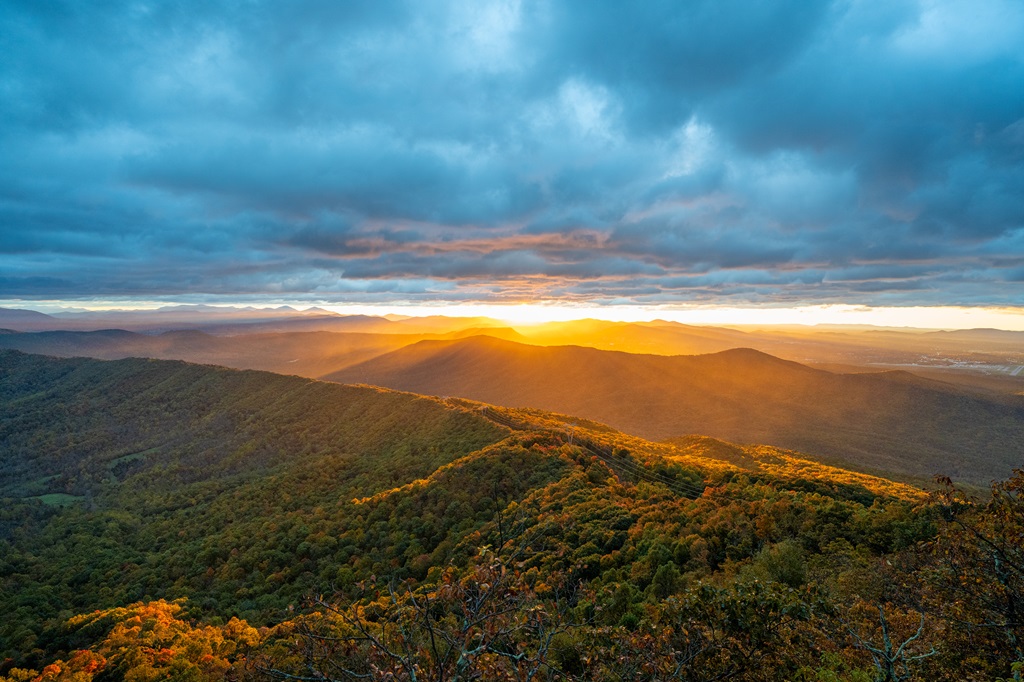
column 919, row 317
column 526, row 314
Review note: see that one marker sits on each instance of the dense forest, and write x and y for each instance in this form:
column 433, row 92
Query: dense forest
column 162, row 520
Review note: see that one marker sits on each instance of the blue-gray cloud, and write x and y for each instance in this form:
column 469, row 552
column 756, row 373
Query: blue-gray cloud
column 785, row 151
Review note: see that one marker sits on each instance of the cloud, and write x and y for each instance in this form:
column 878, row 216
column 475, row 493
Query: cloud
column 787, row 151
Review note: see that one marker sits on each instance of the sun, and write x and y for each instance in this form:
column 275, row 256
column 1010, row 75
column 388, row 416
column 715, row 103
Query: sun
column 543, row 312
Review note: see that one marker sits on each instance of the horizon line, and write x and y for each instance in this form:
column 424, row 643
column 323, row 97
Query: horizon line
column 947, row 317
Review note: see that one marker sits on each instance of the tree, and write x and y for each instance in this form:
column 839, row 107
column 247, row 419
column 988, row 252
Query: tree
column 487, row 625
column 708, row 633
column 894, row 659
column 978, row 580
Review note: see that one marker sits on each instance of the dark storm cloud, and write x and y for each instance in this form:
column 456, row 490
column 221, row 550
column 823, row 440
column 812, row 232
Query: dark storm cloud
column 774, row 151
column 667, row 57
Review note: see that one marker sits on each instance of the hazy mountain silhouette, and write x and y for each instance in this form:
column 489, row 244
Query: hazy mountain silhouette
column 891, row 422
column 310, row 354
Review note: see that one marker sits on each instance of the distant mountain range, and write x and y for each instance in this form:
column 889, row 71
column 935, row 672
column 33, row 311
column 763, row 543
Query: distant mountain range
column 208, row 318
column 305, row 353
column 834, row 345
column 892, row 422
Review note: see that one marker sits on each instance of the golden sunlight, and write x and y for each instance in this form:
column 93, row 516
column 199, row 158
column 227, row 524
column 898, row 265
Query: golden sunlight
column 924, row 317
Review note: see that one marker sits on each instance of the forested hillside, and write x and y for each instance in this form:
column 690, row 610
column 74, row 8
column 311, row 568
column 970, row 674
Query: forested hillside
column 319, row 531
column 891, row 422
column 105, row 461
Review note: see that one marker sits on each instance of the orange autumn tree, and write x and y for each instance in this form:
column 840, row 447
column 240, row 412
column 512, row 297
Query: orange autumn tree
column 149, row 641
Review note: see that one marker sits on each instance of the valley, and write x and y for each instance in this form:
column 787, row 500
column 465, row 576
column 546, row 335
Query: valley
column 205, row 505
column 889, row 422
column 261, row 496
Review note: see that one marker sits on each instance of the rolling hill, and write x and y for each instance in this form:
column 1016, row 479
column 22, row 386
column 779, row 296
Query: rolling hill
column 233, row 320
column 309, row 354
column 992, row 360
column 892, row 422
column 134, row 479
column 162, row 520
column 980, row 359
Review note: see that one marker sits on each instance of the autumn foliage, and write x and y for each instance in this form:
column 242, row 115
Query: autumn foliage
column 422, row 539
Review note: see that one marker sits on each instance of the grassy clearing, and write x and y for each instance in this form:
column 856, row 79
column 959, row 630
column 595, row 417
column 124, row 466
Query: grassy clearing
column 57, row 499
column 135, row 456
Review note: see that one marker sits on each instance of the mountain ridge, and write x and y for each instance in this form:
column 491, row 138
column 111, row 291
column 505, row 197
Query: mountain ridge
column 133, row 485
column 895, row 422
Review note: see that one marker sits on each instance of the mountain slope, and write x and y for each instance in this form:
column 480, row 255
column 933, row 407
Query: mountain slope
column 310, row 354
column 256, row 491
column 128, row 478
column 890, row 422
column 28, row 320
column 657, row 338
column 72, row 425
column 243, row 491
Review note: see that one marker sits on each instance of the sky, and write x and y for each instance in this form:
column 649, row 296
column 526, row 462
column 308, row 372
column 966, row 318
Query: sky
column 718, row 153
